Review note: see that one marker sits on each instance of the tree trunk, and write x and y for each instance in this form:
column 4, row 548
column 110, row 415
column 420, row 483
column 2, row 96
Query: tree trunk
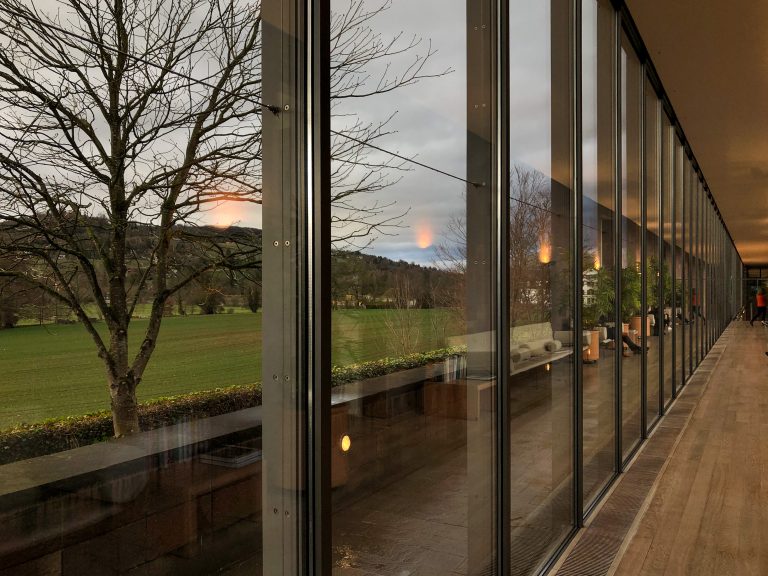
column 125, row 414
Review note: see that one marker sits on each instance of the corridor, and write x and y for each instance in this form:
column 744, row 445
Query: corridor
column 706, row 511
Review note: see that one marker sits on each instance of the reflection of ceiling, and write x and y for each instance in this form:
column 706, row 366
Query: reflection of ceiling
column 712, row 58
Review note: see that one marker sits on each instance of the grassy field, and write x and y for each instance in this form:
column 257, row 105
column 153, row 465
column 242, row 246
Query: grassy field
column 52, row 370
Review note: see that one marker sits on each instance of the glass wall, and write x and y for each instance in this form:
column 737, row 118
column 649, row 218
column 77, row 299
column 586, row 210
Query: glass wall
column 677, row 268
column 697, row 299
column 688, row 229
column 630, row 290
column 131, row 421
column 543, row 345
column 667, row 278
column 412, row 304
column 411, row 318
column 598, row 240
column 654, row 324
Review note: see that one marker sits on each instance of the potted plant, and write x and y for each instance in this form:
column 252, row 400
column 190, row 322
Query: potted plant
column 598, row 304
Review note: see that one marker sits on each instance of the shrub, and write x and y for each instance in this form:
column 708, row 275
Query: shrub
column 353, row 372
column 59, row 434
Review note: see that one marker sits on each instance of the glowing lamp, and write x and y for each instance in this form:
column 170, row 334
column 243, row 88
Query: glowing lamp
column 345, row 443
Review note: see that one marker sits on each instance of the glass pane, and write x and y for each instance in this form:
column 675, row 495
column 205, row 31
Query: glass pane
column 632, row 316
column 680, row 320
column 413, row 382
column 598, row 253
column 652, row 268
column 542, row 343
column 697, row 298
column 131, row 418
column 687, row 285
column 667, row 195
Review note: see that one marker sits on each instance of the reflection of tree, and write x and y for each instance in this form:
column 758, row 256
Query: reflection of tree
column 365, row 63
column 451, row 257
column 530, row 238
column 530, row 231
column 149, row 112
column 401, row 321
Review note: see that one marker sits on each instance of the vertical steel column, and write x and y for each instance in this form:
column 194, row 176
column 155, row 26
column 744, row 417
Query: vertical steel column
column 481, row 278
column 663, row 160
column 643, row 266
column 673, row 238
column 660, row 249
column 578, row 265
column 617, row 236
column 316, row 208
column 502, row 186
column 284, row 413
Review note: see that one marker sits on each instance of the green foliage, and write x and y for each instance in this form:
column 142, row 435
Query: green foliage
column 353, row 372
column 59, row 434
column 52, row 371
column 602, row 297
column 631, row 288
column 652, row 272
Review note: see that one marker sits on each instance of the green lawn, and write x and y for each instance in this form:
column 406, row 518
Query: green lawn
column 52, row 370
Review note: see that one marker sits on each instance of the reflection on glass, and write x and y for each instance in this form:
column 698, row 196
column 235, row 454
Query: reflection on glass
column 542, row 344
column 697, row 309
column 680, row 320
column 667, row 195
column 136, row 364
column 598, row 254
column 632, row 316
column 687, row 267
column 654, row 324
column 413, row 382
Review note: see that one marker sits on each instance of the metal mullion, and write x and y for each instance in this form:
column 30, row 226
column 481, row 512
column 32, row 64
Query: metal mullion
column 283, row 411
column 317, row 132
column 684, row 277
column 502, row 172
column 643, row 266
column 578, row 215
column 673, row 239
column 660, row 248
column 687, row 276
column 663, row 161
column 617, row 238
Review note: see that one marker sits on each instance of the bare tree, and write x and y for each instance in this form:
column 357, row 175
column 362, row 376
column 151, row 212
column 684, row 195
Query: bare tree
column 402, row 321
column 362, row 66
column 119, row 120
column 122, row 122
column 530, row 223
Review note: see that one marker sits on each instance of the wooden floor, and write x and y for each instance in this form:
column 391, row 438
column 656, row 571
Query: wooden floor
column 708, row 514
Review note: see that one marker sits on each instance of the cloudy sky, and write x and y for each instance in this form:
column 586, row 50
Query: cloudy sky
column 430, row 117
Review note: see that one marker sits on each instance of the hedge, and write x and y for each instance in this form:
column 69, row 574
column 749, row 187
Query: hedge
column 354, row 372
column 58, row 434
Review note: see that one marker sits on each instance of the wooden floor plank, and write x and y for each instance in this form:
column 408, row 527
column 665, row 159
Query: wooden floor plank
column 709, row 512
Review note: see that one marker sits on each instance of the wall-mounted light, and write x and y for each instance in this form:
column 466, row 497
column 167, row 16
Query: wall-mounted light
column 345, row 443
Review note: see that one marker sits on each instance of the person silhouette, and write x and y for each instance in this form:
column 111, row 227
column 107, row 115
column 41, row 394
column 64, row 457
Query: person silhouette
column 760, row 303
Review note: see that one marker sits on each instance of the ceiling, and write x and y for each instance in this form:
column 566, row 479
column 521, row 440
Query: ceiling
column 712, row 58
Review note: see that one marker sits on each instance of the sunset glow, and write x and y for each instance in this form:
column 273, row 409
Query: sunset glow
column 545, row 249
column 225, row 214
column 424, row 236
